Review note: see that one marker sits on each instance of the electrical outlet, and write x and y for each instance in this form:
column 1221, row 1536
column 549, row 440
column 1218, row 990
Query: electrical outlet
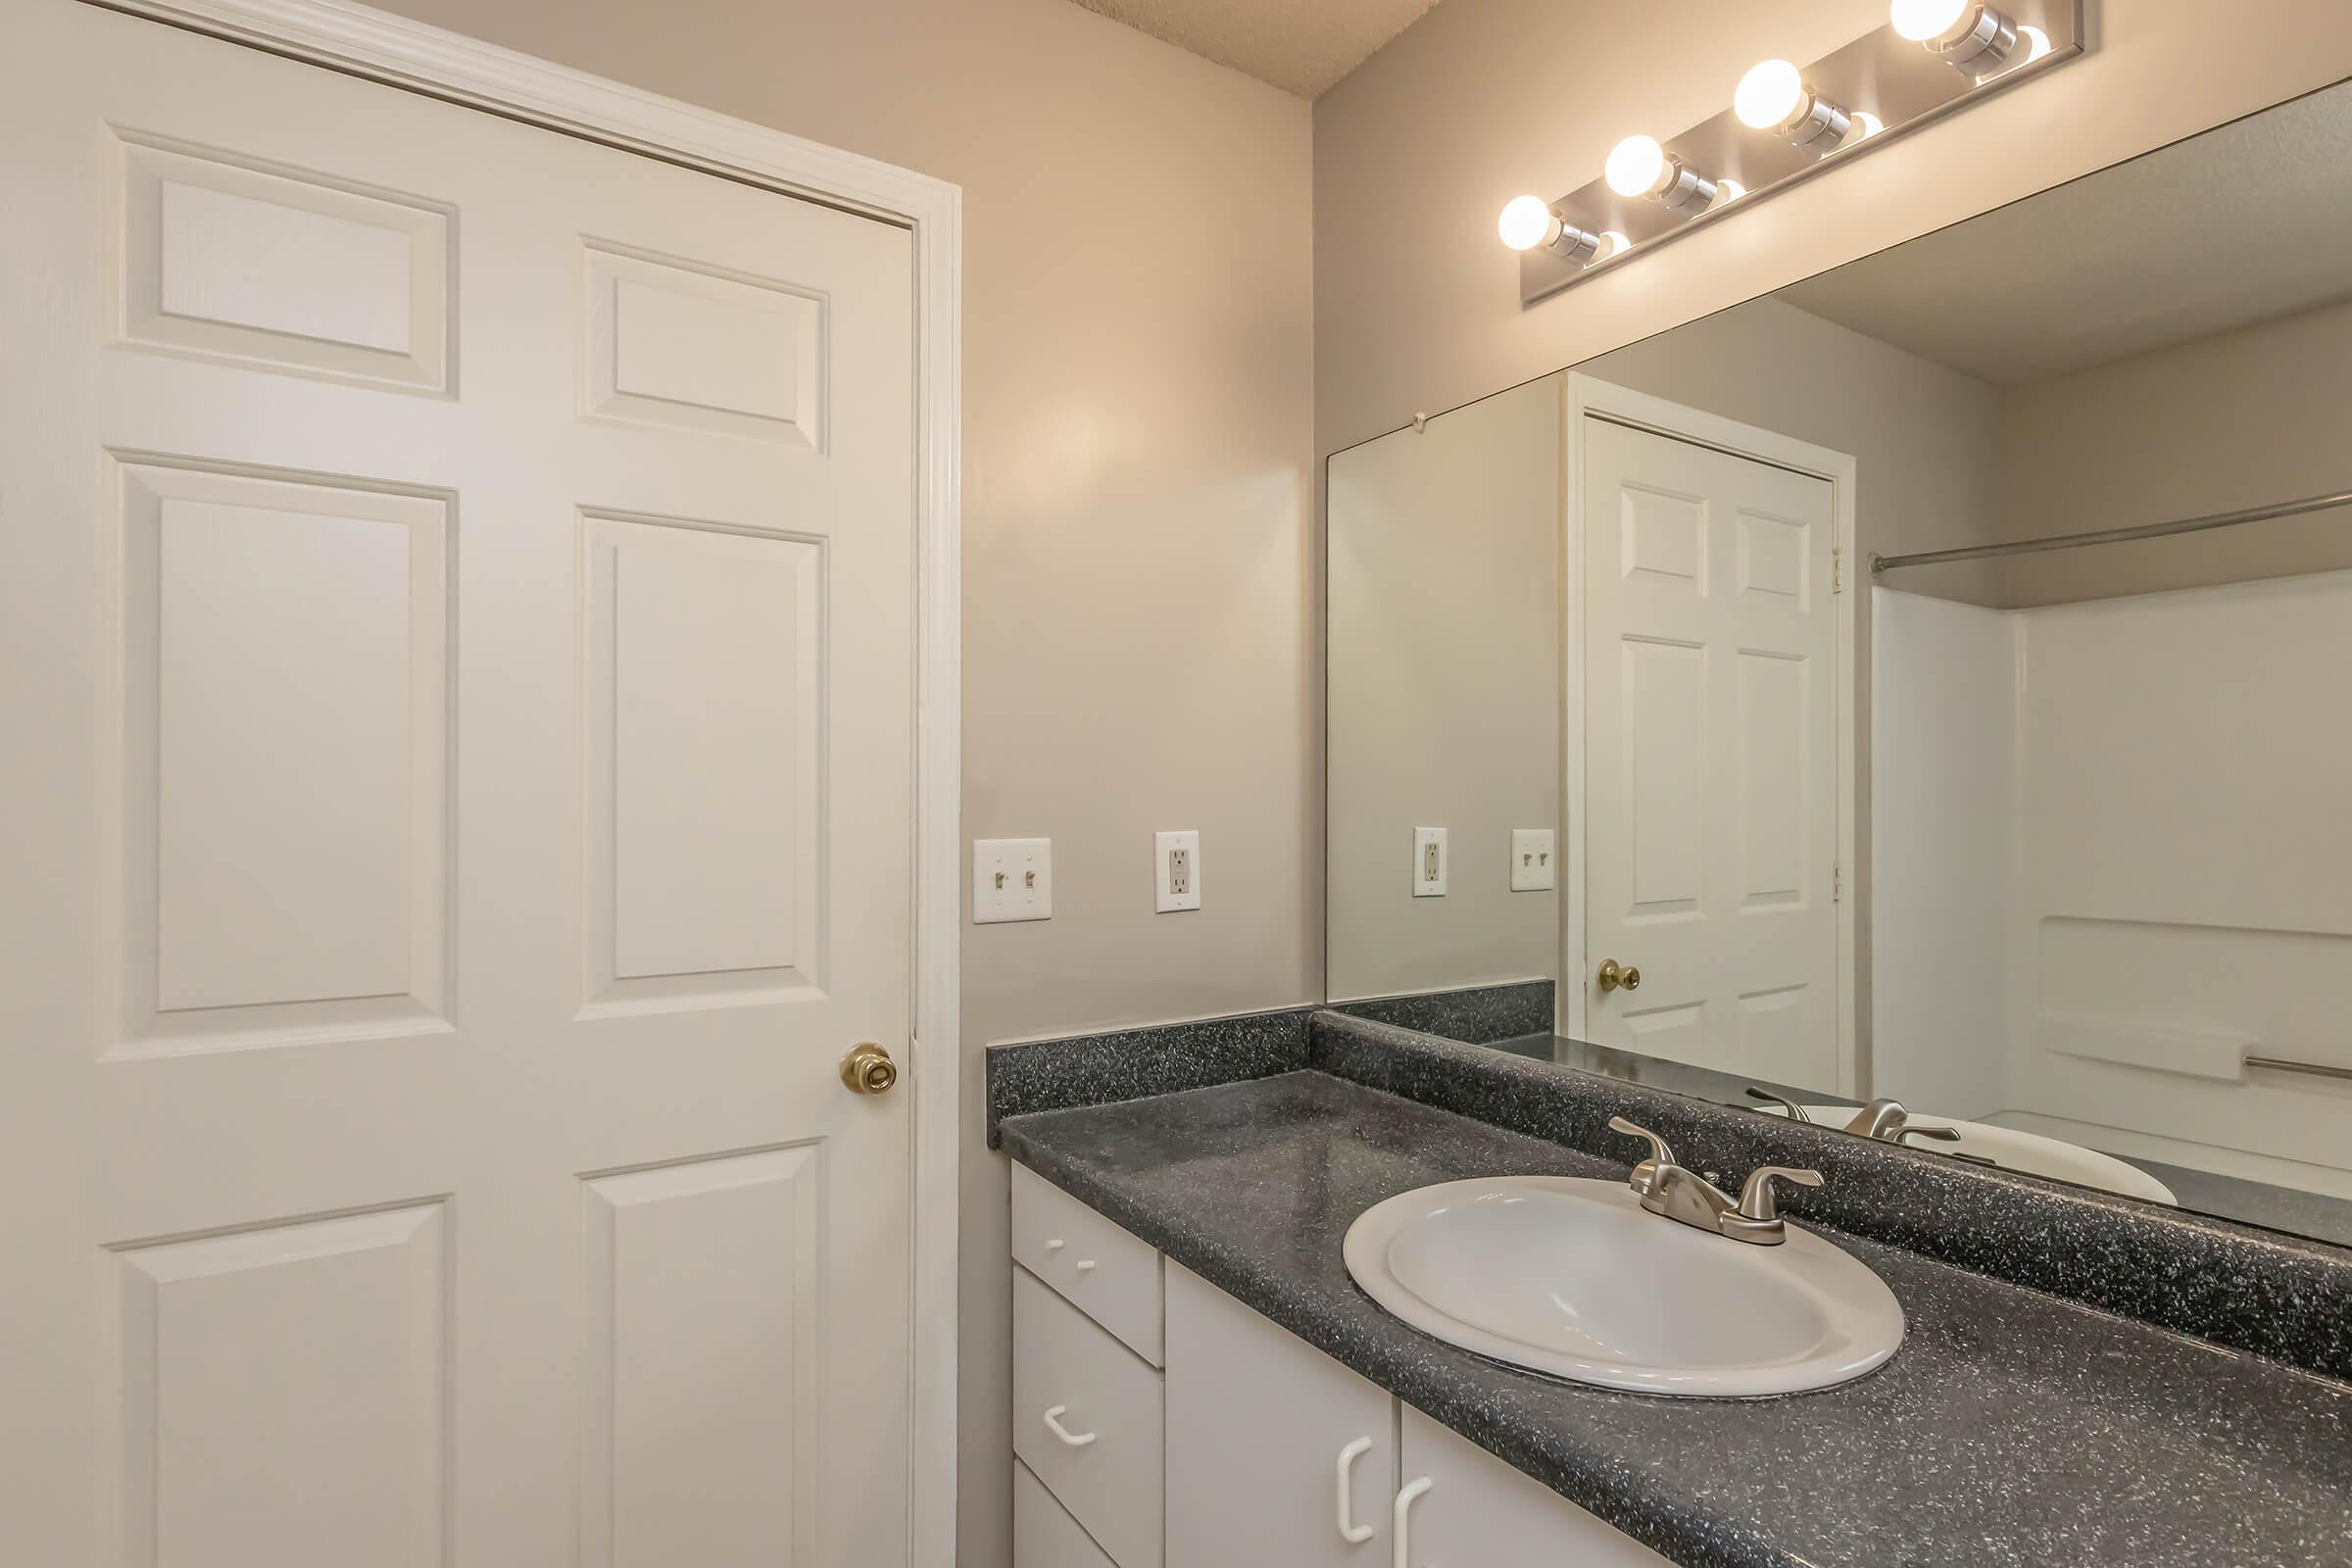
column 1530, row 859
column 1429, row 863
column 1012, row 880
column 1176, row 870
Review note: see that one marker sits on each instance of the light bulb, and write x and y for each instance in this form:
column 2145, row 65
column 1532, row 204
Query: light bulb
column 1527, row 223
column 1774, row 97
column 1971, row 36
column 1769, row 95
column 1920, row 21
column 1637, row 166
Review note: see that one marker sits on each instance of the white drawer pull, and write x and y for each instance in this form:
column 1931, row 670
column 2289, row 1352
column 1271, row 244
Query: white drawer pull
column 1351, row 1531
column 1086, row 1265
column 1076, row 1439
column 1055, row 1245
column 1404, row 1504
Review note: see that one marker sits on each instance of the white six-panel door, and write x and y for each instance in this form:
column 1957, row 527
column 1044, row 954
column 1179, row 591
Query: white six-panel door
column 456, row 667
column 1710, row 759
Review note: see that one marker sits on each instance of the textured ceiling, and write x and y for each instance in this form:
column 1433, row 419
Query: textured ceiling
column 2241, row 224
column 1301, row 46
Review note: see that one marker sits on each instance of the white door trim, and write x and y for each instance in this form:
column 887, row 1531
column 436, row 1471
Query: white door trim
column 1624, row 406
column 446, row 65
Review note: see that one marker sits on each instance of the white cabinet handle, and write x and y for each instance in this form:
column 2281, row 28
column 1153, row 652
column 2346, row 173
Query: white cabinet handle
column 1055, row 1245
column 1086, row 1265
column 1076, row 1439
column 1351, row 1531
column 1404, row 1504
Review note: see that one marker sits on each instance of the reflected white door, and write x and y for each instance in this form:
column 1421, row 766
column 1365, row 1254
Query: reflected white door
column 456, row 655
column 1711, row 761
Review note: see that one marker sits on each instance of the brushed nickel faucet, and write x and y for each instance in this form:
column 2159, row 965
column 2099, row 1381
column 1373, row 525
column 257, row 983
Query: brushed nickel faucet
column 1884, row 1120
column 1689, row 1199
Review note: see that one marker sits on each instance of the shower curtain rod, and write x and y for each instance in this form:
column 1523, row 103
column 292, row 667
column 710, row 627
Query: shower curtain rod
column 2111, row 536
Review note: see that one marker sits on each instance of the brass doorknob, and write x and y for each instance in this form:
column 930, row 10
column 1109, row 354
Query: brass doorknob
column 1614, row 976
column 868, row 1069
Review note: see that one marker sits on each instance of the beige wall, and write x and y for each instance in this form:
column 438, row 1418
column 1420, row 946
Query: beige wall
column 2237, row 419
column 1442, row 596
column 1137, row 438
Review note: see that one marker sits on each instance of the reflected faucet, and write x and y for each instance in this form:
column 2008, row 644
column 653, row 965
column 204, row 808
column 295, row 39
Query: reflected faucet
column 1887, row 1121
column 1882, row 1119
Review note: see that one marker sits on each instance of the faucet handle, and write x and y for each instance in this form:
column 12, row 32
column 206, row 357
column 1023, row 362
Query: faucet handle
column 1646, row 1174
column 1756, row 1200
column 1657, row 1146
column 1942, row 1135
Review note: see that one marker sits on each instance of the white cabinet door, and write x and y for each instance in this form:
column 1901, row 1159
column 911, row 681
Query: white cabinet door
column 1088, row 1419
column 1276, row 1454
column 456, row 660
column 1044, row 1534
column 1461, row 1507
column 1711, row 755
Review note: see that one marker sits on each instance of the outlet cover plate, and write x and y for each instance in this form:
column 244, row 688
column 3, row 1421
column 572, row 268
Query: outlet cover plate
column 1012, row 880
column 1176, row 870
column 1531, row 870
column 1429, row 863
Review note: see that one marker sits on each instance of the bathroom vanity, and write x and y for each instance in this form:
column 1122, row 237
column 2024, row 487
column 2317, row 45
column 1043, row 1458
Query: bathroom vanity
column 1174, row 1424
column 1198, row 1380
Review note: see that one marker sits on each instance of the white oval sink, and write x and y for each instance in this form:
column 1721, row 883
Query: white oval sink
column 1574, row 1278
column 2030, row 1152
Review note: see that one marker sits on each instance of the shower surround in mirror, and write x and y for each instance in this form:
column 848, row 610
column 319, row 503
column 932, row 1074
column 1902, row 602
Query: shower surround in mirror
column 2101, row 873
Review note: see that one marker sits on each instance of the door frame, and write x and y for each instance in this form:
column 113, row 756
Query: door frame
column 449, row 66
column 1588, row 394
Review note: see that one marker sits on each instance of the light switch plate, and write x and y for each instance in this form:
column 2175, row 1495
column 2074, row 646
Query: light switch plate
column 1012, row 880
column 1429, row 863
column 1176, row 870
column 1530, row 859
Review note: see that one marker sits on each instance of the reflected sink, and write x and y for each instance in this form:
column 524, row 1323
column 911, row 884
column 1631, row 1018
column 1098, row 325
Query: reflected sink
column 2030, row 1152
column 1572, row 1278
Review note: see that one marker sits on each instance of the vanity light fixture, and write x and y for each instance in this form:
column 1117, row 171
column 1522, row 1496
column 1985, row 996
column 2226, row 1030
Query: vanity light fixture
column 1789, row 120
column 1969, row 35
column 1526, row 221
column 1775, row 96
column 1640, row 166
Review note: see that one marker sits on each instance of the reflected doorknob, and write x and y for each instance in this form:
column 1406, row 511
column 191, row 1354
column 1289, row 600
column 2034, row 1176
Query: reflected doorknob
column 868, row 1069
column 1614, row 976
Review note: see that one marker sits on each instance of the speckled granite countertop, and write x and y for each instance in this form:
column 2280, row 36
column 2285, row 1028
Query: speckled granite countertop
column 2012, row 1429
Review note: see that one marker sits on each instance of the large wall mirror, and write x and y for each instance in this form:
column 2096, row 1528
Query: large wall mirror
column 1736, row 712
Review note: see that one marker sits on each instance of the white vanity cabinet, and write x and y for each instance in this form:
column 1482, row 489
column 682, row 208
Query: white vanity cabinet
column 1157, row 1420
column 1276, row 1452
column 1459, row 1506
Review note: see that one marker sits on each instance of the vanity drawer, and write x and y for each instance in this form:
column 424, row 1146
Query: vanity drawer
column 1044, row 1534
column 1103, row 1463
column 1098, row 1268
